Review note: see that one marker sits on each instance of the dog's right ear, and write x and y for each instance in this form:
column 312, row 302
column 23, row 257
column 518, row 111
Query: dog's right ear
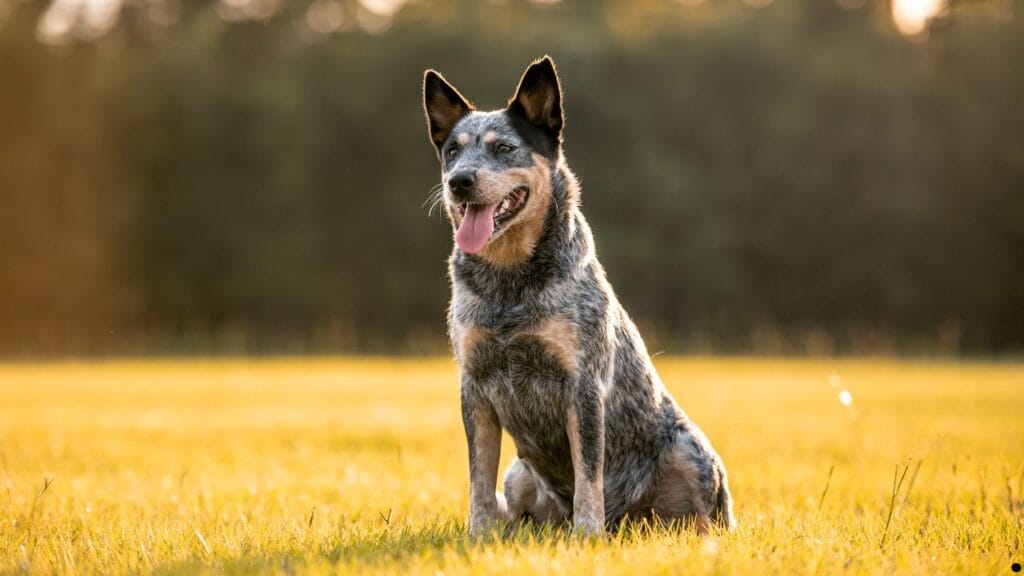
column 444, row 107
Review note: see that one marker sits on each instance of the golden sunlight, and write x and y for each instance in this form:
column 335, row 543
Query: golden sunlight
column 912, row 16
column 64, row 19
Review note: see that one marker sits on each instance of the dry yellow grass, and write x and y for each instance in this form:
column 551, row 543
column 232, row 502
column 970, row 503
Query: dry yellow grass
column 326, row 466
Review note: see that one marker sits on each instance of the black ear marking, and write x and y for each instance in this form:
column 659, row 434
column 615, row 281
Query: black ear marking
column 539, row 97
column 444, row 107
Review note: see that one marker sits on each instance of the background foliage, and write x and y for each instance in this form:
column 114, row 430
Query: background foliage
column 798, row 177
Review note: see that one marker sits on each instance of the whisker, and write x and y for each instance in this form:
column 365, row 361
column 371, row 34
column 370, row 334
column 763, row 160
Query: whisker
column 434, row 199
column 434, row 190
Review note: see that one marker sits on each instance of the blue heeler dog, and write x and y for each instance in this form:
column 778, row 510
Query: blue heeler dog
column 544, row 348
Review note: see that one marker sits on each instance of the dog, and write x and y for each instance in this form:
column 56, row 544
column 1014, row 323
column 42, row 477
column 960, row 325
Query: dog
column 545, row 351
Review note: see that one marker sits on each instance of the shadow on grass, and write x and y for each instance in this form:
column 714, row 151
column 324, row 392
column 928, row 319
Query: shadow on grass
column 346, row 546
column 398, row 545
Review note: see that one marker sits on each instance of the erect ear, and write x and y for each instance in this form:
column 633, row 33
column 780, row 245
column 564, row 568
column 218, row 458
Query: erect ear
column 539, row 97
column 444, row 107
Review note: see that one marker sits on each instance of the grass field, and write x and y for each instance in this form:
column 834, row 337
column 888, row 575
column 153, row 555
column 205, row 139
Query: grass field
column 325, row 466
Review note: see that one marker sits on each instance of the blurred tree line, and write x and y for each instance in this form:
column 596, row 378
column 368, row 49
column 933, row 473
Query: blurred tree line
column 795, row 177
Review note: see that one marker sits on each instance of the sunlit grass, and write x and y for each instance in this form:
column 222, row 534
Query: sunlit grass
column 323, row 466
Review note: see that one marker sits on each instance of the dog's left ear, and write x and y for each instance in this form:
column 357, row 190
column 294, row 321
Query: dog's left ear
column 539, row 98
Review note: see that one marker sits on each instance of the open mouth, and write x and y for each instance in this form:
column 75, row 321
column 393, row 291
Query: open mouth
column 479, row 221
column 507, row 208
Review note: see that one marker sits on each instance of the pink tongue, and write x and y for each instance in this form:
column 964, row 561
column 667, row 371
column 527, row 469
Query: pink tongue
column 476, row 228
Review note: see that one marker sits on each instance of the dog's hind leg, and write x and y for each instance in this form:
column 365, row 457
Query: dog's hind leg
column 526, row 497
column 691, row 485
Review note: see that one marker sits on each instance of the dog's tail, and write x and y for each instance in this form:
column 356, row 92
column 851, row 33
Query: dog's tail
column 722, row 514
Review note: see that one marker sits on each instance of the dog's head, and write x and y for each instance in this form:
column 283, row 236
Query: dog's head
column 496, row 166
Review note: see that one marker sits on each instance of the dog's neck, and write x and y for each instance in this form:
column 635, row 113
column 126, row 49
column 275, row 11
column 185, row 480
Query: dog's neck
column 563, row 245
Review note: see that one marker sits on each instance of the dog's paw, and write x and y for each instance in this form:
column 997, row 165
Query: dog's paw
column 502, row 507
column 588, row 527
column 589, row 523
column 481, row 526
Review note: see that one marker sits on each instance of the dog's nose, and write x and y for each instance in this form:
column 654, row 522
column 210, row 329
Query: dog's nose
column 461, row 183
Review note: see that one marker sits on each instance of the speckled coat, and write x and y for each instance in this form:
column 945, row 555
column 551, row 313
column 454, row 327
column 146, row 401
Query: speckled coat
column 545, row 350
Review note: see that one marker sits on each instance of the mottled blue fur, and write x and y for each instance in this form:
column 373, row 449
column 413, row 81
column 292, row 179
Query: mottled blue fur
column 548, row 354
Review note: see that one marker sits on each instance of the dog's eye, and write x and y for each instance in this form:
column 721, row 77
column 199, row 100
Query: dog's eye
column 504, row 149
column 453, row 151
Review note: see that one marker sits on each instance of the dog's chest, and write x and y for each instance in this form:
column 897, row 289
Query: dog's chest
column 525, row 374
column 525, row 364
column 518, row 342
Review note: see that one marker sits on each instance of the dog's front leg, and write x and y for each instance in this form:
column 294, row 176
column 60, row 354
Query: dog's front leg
column 585, row 428
column 483, row 436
